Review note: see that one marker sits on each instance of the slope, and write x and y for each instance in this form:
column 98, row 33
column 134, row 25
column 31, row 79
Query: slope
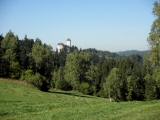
column 20, row 101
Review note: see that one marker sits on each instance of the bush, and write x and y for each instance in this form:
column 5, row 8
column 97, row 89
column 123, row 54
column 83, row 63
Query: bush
column 62, row 84
column 102, row 92
column 37, row 80
column 86, row 88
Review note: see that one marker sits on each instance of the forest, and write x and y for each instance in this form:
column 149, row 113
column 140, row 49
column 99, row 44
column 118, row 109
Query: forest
column 90, row 71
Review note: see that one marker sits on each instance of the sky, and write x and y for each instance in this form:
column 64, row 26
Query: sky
column 113, row 25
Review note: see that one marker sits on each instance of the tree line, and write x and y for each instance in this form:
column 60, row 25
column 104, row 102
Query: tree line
column 102, row 74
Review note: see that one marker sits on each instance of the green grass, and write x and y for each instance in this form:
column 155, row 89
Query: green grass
column 20, row 101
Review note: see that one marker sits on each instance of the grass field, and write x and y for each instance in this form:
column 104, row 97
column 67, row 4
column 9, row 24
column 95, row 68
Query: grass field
column 19, row 101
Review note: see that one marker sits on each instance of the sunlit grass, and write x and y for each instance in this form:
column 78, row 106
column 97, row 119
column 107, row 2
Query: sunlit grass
column 20, row 101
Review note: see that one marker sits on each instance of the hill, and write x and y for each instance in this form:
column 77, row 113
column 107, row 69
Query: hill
column 101, row 53
column 108, row 54
column 20, row 101
column 133, row 52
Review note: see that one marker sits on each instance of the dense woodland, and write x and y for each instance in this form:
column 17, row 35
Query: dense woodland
column 89, row 71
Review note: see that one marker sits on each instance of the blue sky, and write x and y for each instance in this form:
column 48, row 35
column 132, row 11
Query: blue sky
column 113, row 25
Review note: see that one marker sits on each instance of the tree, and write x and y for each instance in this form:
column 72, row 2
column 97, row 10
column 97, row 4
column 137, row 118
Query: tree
column 43, row 58
column 4, row 64
column 147, row 65
column 1, row 38
column 134, row 88
column 105, row 65
column 150, row 87
column 72, row 70
column 24, row 53
column 10, row 45
column 154, row 36
column 153, row 77
column 114, row 85
column 156, row 77
column 60, row 57
column 93, row 77
column 150, row 83
column 58, row 80
column 77, row 64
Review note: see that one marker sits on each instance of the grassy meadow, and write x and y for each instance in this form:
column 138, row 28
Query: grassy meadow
column 20, row 101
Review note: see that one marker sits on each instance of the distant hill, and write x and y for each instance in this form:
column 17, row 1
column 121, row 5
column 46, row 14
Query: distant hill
column 101, row 53
column 133, row 52
column 109, row 54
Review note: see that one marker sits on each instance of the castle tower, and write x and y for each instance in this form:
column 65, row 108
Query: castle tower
column 68, row 42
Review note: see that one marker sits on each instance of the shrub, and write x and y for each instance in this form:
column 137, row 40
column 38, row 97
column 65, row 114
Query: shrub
column 86, row 88
column 62, row 84
column 37, row 80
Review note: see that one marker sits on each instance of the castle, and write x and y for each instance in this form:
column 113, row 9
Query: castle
column 60, row 46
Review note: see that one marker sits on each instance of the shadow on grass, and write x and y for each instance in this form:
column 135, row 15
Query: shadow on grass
column 69, row 93
column 4, row 114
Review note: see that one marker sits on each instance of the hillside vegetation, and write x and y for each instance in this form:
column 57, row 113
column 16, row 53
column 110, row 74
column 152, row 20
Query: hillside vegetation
column 20, row 101
column 124, row 76
column 133, row 52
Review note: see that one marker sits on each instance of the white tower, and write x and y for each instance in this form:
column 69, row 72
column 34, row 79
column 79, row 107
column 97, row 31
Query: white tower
column 68, row 42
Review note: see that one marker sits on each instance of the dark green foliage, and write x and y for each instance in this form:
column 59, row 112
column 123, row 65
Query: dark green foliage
column 72, row 70
column 131, row 70
column 24, row 53
column 1, row 49
column 4, row 64
column 150, row 88
column 152, row 85
column 17, row 56
column 76, row 70
column 100, row 53
column 84, row 87
column 114, row 85
column 58, row 80
column 43, row 58
column 4, row 67
column 154, row 38
column 133, row 52
column 89, row 71
column 60, row 58
column 147, row 66
column 126, row 81
column 105, row 67
column 153, row 73
column 10, row 46
column 36, row 79
column 135, row 88
column 156, row 77
column 93, row 77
